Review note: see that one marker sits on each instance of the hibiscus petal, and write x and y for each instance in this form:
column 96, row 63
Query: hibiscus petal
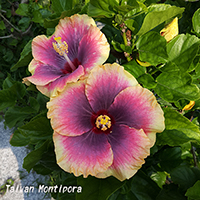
column 137, row 107
column 52, row 89
column 130, row 146
column 105, row 82
column 70, row 112
column 87, row 154
column 43, row 73
column 93, row 48
column 42, row 49
column 72, row 29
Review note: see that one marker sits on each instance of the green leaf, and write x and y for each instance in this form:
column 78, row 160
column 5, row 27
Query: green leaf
column 185, row 176
column 147, row 81
column 116, row 46
column 152, row 48
column 23, row 9
column 174, row 86
column 8, row 82
column 15, row 115
column 2, row 25
column 40, row 169
column 193, row 192
column 102, row 8
column 170, row 192
column 159, row 178
column 112, row 34
column 37, row 17
column 141, row 181
column 155, row 18
column 178, row 130
column 19, row 140
column 59, row 5
column 182, row 50
column 134, row 68
column 25, row 58
column 34, row 156
column 170, row 158
column 97, row 189
column 196, row 20
column 37, row 130
column 34, row 104
column 8, row 97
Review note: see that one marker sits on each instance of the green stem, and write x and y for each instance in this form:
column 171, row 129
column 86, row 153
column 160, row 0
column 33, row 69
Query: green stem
column 124, row 38
column 126, row 44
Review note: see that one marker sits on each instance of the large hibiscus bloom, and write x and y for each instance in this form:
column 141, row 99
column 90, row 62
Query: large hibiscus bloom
column 104, row 125
column 75, row 48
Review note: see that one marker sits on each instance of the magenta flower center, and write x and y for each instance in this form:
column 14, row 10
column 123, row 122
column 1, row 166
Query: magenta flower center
column 103, row 122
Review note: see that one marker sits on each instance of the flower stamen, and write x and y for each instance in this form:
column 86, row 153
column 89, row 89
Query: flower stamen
column 62, row 48
column 103, row 122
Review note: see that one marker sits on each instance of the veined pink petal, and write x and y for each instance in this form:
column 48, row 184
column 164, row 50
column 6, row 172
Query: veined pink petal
column 42, row 73
column 105, row 82
column 72, row 30
column 130, row 147
column 93, row 48
column 137, row 107
column 43, row 51
column 70, row 112
column 87, row 154
column 52, row 89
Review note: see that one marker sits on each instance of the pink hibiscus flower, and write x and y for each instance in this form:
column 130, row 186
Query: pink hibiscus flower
column 104, row 125
column 75, row 48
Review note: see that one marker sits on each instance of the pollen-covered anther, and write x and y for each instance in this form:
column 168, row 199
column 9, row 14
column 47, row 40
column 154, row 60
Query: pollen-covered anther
column 59, row 46
column 103, row 122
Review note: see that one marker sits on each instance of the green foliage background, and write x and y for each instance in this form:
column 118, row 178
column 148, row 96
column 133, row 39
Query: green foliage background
column 172, row 171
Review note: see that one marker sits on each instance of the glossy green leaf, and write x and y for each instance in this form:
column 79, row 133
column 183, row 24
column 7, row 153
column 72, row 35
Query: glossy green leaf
column 182, row 50
column 97, row 189
column 34, row 104
column 178, row 130
column 16, row 114
column 196, row 20
column 59, row 5
column 159, row 178
column 156, row 18
column 185, row 176
column 23, row 9
column 25, row 58
column 112, row 34
column 102, row 8
column 18, row 139
column 147, row 81
column 40, row 169
column 174, row 86
column 134, row 68
column 37, row 17
column 194, row 191
column 141, row 181
column 36, row 130
column 152, row 48
column 170, row 158
column 8, row 97
column 34, row 156
column 2, row 25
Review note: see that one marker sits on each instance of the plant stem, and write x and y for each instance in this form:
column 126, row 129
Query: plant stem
column 126, row 44
column 194, row 156
column 8, row 36
column 10, row 23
